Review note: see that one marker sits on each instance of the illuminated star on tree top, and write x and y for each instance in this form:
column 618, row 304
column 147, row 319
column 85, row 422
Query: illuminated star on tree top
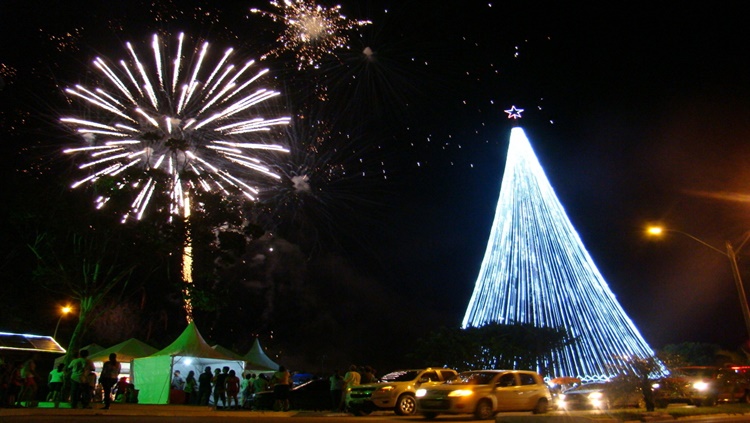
column 514, row 113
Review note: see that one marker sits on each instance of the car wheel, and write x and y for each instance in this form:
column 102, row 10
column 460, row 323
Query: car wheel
column 541, row 406
column 430, row 416
column 406, row 405
column 484, row 410
column 709, row 401
column 362, row 412
column 359, row 411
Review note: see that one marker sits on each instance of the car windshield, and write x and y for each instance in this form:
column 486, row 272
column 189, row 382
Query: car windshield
column 707, row 373
column 473, row 378
column 588, row 387
column 400, row 376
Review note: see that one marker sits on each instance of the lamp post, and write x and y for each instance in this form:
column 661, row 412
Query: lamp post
column 731, row 254
column 65, row 310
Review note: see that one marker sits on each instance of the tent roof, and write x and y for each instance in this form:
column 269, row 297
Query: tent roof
column 126, row 351
column 91, row 348
column 227, row 351
column 192, row 344
column 256, row 359
column 25, row 342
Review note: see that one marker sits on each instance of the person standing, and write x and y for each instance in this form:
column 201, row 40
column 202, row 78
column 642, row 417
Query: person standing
column 204, row 386
column 233, row 389
column 282, row 383
column 80, row 369
column 260, row 384
column 55, row 382
column 220, row 387
column 190, row 388
column 337, row 390
column 178, row 382
column 29, row 388
column 88, row 392
column 246, row 388
column 368, row 375
column 108, row 377
column 352, row 377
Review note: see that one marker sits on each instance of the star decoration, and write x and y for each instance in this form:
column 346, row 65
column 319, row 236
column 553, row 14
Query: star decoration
column 513, row 113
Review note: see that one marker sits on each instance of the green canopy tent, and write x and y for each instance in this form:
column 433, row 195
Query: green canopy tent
column 152, row 375
column 126, row 351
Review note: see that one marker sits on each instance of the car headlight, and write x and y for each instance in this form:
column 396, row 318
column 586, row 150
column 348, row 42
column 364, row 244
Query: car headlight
column 420, row 393
column 385, row 389
column 596, row 395
column 701, row 386
column 561, row 397
column 461, row 393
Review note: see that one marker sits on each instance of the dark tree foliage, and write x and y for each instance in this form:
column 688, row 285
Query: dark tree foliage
column 694, row 354
column 492, row 346
column 85, row 266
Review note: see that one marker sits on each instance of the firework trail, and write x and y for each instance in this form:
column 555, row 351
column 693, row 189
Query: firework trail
column 173, row 126
column 312, row 31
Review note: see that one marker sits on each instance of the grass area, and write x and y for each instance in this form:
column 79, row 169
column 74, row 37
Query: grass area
column 678, row 411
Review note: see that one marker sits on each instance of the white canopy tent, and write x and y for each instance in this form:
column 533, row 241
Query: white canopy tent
column 152, row 375
column 257, row 361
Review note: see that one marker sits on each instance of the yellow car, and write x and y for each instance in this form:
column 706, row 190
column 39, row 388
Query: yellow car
column 484, row 393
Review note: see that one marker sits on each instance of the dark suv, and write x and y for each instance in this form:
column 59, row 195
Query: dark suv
column 703, row 386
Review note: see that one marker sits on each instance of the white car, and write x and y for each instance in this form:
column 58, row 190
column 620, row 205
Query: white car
column 484, row 393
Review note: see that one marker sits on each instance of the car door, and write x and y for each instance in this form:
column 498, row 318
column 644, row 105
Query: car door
column 529, row 391
column 429, row 378
column 506, row 391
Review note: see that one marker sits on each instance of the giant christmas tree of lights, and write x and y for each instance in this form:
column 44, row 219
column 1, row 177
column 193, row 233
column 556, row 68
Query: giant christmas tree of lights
column 536, row 270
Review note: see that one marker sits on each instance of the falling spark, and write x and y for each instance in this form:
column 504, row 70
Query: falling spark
column 312, row 31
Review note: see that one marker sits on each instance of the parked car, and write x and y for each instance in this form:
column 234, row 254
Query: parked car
column 395, row 391
column 703, row 386
column 485, row 393
column 600, row 395
column 311, row 395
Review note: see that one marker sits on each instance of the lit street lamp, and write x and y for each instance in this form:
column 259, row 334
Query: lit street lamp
column 65, row 310
column 731, row 254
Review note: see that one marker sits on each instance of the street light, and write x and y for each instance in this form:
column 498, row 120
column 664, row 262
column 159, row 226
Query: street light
column 64, row 310
column 730, row 253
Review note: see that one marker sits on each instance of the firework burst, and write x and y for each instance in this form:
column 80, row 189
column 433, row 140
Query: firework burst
column 312, row 31
column 175, row 125
column 331, row 182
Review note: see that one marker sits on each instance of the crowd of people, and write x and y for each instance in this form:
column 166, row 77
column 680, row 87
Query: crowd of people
column 224, row 389
column 219, row 388
column 20, row 383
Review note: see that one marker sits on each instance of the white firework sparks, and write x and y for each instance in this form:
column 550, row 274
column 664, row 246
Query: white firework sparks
column 312, row 31
column 175, row 125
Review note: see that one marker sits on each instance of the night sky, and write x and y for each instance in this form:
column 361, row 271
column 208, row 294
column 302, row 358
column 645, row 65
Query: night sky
column 637, row 111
